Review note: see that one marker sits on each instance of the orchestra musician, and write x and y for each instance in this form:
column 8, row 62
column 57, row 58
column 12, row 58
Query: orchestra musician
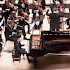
column 18, row 48
column 10, row 32
column 16, row 19
column 7, row 9
column 24, row 5
column 23, row 11
column 13, row 16
column 40, row 6
column 22, row 21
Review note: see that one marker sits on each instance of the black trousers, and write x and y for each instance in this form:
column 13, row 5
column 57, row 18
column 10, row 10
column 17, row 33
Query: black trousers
column 39, row 26
column 21, row 28
column 54, row 26
column 22, row 51
column 23, row 23
column 13, row 37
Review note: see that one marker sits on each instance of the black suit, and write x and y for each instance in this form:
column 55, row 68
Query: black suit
column 6, row 13
column 23, row 23
column 54, row 21
column 8, row 33
column 17, row 47
column 19, row 50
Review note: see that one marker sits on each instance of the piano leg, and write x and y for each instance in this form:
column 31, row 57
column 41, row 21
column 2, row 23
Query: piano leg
column 35, row 61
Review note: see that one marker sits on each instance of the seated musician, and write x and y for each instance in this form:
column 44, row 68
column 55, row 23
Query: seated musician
column 18, row 48
column 40, row 6
column 23, row 11
column 16, row 18
column 10, row 32
column 24, row 5
column 22, row 21
column 7, row 9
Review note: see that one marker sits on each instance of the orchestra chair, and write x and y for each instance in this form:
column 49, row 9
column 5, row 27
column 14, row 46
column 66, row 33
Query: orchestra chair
column 16, row 55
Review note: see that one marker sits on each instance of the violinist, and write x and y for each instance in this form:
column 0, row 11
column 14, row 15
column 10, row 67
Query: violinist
column 16, row 19
column 7, row 9
column 10, row 32
column 24, row 5
column 22, row 21
column 40, row 6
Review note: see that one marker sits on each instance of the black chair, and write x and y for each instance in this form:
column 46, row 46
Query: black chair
column 16, row 55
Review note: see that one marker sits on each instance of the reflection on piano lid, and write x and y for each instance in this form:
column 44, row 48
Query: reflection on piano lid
column 55, row 32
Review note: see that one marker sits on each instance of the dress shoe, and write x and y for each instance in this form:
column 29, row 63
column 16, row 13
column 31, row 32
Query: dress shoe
column 28, row 32
column 25, row 38
column 68, row 27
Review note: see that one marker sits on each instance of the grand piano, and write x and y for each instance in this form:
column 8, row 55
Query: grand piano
column 49, row 42
column 55, row 41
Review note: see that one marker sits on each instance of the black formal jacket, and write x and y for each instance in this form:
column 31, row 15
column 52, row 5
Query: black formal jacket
column 6, row 13
column 9, row 30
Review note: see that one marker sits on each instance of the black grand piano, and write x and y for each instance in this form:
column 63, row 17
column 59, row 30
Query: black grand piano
column 49, row 42
column 56, row 41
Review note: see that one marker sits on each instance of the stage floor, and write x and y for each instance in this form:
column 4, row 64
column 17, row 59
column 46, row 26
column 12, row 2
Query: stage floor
column 48, row 62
